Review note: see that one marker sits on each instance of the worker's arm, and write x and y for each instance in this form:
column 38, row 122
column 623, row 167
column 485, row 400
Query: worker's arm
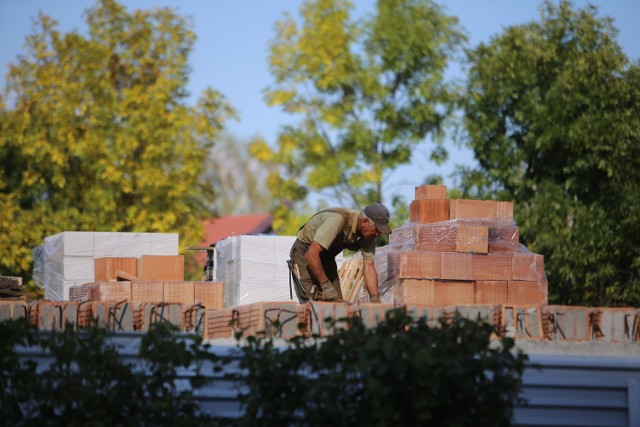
column 313, row 259
column 370, row 277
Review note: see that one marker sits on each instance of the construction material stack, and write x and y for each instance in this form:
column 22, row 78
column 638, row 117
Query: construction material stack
column 121, row 281
column 458, row 251
column 253, row 268
column 133, row 293
column 454, row 257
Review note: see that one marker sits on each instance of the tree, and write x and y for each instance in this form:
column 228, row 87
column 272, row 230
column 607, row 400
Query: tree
column 367, row 91
column 551, row 111
column 95, row 133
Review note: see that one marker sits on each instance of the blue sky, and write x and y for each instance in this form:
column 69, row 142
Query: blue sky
column 230, row 54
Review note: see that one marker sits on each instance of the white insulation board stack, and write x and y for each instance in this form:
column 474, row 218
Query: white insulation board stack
column 67, row 258
column 254, row 268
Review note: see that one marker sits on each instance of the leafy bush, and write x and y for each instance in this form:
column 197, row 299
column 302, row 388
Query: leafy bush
column 88, row 382
column 401, row 372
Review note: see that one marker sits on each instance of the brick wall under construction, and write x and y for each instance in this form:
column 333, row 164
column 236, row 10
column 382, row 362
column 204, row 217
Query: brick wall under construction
column 454, row 256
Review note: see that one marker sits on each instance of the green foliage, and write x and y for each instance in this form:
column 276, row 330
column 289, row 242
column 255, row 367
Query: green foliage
column 89, row 383
column 366, row 90
column 401, row 372
column 95, row 133
column 551, row 115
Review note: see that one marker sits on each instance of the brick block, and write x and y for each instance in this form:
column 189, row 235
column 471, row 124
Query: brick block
column 415, row 291
column 472, row 238
column 490, row 313
column 437, row 237
column 428, row 211
column 453, row 292
column 521, row 292
column 456, row 266
column 147, row 292
column 431, row 314
column 221, row 323
column 161, row 267
column 437, row 292
column 80, row 293
column 492, row 266
column 111, row 291
column 504, row 209
column 56, row 315
column 12, row 310
column 491, row 292
column 473, row 209
column 105, row 268
column 420, row 265
column 615, row 324
column 209, row 294
column 322, row 313
column 467, row 209
column 373, row 314
column 111, row 315
column 276, row 319
column 403, row 236
column 181, row 292
column 504, row 238
column 568, row 323
column 195, row 319
column 522, row 322
column 528, row 266
column 284, row 319
column 171, row 313
column 429, row 192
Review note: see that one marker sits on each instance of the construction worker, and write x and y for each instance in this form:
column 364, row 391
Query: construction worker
column 325, row 235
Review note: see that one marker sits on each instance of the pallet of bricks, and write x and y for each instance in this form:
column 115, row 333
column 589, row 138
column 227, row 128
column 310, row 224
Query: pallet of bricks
column 457, row 252
column 130, row 294
column 289, row 319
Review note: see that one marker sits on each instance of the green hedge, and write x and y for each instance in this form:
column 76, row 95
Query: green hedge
column 401, row 372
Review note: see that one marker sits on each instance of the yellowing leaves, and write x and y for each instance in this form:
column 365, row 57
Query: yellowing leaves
column 326, row 175
column 261, row 151
column 101, row 132
column 279, row 97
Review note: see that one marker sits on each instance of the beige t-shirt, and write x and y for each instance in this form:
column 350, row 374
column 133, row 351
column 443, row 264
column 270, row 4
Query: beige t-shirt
column 337, row 226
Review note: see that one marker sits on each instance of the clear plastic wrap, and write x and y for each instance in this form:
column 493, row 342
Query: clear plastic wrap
column 477, row 261
column 67, row 259
column 254, row 268
column 445, row 236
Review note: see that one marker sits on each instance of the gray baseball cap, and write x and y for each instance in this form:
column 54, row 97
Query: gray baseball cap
column 377, row 213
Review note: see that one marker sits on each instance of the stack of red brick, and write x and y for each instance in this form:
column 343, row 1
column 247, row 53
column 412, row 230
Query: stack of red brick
column 290, row 319
column 521, row 322
column 457, row 251
column 130, row 294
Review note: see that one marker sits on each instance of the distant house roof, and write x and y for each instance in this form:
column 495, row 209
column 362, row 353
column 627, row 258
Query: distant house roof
column 217, row 229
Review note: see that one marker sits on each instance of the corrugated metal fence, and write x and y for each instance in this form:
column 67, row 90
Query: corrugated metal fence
column 560, row 389
column 569, row 390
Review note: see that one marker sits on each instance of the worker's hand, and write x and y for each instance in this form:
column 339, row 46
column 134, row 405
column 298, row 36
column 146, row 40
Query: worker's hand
column 328, row 292
column 374, row 298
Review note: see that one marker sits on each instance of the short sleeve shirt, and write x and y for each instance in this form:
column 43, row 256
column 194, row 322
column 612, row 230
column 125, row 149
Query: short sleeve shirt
column 337, row 223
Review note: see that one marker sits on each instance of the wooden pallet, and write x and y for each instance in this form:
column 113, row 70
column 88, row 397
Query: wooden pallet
column 351, row 275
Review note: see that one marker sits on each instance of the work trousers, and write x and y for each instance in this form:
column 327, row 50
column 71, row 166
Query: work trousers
column 307, row 279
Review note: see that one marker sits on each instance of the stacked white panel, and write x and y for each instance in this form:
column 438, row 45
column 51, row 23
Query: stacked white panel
column 67, row 258
column 254, row 268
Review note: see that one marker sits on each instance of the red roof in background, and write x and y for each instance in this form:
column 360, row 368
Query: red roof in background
column 217, row 229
